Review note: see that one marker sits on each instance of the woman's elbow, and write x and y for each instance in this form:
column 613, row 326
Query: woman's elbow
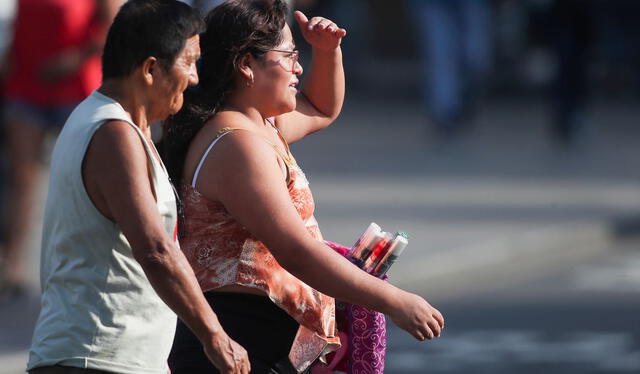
column 292, row 261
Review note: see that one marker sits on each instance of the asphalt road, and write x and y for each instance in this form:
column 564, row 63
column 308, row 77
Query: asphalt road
column 582, row 318
column 578, row 318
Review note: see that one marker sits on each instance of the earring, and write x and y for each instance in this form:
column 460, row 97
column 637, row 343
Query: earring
column 250, row 81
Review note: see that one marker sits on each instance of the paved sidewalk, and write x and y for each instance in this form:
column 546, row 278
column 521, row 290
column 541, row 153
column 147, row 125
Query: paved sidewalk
column 499, row 204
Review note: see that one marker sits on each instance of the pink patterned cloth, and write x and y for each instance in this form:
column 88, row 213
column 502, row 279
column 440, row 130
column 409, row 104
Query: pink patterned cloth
column 364, row 337
column 367, row 340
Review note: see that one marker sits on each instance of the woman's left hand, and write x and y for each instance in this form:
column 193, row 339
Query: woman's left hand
column 320, row 32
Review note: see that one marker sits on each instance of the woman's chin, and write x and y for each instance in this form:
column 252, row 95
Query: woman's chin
column 292, row 105
column 288, row 108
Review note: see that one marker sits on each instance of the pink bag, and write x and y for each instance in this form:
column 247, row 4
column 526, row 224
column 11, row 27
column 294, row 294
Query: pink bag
column 363, row 334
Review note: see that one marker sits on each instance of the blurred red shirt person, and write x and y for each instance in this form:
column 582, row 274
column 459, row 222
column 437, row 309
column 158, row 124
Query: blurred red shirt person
column 51, row 38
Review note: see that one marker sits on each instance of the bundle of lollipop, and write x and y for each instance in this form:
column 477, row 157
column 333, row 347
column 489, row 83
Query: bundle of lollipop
column 364, row 339
column 376, row 250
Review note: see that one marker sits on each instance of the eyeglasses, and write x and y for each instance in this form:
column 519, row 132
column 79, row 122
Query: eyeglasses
column 288, row 63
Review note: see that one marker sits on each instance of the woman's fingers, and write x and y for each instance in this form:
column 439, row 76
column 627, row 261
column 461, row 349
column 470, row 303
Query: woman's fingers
column 318, row 29
column 428, row 331
column 423, row 333
column 435, row 322
column 335, row 30
column 438, row 316
column 418, row 317
column 434, row 326
column 314, row 22
column 323, row 24
column 301, row 18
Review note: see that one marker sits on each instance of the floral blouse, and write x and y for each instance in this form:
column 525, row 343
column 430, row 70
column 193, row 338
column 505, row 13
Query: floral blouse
column 222, row 252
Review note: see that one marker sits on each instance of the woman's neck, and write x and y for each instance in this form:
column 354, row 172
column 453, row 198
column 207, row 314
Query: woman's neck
column 236, row 104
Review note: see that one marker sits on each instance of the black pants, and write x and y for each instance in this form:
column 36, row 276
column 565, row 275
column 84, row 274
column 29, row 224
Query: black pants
column 254, row 322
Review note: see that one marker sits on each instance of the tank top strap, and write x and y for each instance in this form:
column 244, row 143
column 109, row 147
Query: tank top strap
column 288, row 157
column 222, row 132
column 226, row 130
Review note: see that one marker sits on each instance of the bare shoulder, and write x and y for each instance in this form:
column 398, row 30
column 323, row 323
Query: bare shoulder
column 242, row 154
column 114, row 165
column 117, row 152
column 241, row 141
column 242, row 146
column 117, row 137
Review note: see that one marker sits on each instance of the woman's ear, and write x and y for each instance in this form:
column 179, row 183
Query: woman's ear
column 148, row 69
column 245, row 68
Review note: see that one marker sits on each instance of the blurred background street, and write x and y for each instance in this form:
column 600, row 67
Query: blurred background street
column 514, row 170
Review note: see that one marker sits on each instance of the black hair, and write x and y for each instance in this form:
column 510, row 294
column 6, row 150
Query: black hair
column 233, row 29
column 144, row 28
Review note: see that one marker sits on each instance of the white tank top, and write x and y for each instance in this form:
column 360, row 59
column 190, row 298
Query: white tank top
column 99, row 310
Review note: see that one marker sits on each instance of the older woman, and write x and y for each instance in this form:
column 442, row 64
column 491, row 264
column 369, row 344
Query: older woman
column 250, row 234
column 111, row 269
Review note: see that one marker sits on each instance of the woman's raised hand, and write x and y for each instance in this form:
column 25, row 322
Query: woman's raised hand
column 320, row 32
column 415, row 315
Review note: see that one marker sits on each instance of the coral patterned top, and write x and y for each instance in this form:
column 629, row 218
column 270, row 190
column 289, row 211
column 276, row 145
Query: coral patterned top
column 222, row 252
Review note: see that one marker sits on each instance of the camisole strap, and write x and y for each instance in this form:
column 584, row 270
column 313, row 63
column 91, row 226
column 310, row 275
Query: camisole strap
column 224, row 131
column 221, row 133
column 288, row 157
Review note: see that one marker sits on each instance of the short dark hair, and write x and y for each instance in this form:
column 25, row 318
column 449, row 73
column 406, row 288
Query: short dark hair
column 234, row 28
column 145, row 28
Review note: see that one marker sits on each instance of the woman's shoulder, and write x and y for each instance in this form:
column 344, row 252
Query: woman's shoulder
column 224, row 152
column 244, row 143
column 234, row 137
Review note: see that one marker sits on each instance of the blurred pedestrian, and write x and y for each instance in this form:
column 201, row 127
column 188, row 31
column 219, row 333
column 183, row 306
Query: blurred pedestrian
column 111, row 269
column 7, row 13
column 455, row 42
column 53, row 63
column 250, row 232
column 572, row 34
column 584, row 34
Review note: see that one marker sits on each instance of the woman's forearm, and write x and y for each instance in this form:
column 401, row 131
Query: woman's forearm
column 324, row 85
column 328, row 272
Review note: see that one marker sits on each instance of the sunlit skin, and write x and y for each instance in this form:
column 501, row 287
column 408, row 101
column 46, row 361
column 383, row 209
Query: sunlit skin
column 118, row 181
column 272, row 76
column 244, row 173
column 169, row 86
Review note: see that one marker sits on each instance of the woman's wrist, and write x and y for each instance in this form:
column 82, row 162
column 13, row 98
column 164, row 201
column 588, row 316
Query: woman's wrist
column 389, row 299
column 329, row 53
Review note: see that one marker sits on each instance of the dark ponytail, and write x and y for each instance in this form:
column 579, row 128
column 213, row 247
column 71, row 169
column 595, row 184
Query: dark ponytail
column 233, row 29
